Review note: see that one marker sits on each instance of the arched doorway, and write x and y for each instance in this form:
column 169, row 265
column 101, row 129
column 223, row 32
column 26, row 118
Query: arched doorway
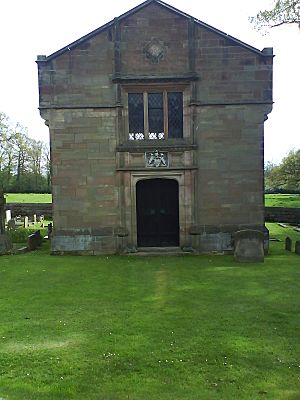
column 157, row 210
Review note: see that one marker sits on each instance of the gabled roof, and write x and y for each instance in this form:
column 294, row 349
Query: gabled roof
column 138, row 8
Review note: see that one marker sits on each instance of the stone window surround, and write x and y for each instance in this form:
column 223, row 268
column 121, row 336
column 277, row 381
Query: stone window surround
column 158, row 87
column 186, row 202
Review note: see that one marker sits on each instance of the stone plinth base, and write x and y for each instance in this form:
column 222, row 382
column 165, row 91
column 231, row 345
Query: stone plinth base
column 83, row 245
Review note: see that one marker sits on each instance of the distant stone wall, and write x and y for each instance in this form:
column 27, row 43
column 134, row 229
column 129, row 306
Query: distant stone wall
column 272, row 214
column 30, row 209
column 280, row 214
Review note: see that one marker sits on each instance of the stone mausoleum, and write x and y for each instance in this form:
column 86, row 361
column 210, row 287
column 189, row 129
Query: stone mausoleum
column 156, row 126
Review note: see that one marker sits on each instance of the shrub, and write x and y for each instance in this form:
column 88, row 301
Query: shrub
column 20, row 235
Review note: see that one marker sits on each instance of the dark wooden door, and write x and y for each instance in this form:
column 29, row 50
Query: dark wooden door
column 157, row 207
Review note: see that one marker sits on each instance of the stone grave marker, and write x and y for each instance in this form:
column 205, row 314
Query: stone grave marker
column 7, row 215
column 26, row 222
column 34, row 218
column 249, row 246
column 288, row 244
column 297, row 247
column 34, row 240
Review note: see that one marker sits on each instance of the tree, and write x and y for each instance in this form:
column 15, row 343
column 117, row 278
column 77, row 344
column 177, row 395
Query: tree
column 285, row 175
column 283, row 12
column 24, row 162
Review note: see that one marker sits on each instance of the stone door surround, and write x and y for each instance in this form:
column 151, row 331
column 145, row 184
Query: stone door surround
column 186, row 202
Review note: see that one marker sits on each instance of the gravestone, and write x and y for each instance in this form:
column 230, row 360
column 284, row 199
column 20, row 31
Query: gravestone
column 249, row 246
column 34, row 240
column 7, row 215
column 34, row 218
column 288, row 244
column 297, row 247
column 42, row 221
column 26, row 222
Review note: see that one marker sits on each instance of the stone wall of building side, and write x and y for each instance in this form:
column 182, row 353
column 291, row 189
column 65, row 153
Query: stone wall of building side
column 85, row 194
column 230, row 165
column 81, row 76
column 229, row 72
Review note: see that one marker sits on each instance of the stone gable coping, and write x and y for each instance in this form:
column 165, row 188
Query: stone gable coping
column 266, row 52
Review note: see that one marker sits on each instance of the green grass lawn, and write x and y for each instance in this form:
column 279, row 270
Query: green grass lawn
column 28, row 198
column 282, row 200
column 271, row 200
column 186, row 328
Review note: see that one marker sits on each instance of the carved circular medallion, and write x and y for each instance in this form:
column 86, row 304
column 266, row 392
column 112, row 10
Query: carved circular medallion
column 155, row 51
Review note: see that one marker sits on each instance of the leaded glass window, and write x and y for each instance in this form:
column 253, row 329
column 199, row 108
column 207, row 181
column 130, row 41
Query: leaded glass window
column 156, row 115
column 175, row 115
column 136, row 115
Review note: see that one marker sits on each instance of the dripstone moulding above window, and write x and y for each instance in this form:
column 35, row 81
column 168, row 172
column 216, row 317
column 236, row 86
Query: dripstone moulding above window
column 119, row 78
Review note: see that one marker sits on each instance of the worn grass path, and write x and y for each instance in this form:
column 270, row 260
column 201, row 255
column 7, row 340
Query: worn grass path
column 187, row 328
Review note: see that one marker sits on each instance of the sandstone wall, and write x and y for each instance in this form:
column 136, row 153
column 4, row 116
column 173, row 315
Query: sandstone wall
column 218, row 163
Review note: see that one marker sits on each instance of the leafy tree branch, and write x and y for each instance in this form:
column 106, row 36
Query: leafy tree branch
column 283, row 12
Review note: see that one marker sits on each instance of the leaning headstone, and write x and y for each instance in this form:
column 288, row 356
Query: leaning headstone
column 26, row 222
column 7, row 215
column 249, row 246
column 288, row 244
column 34, row 240
column 297, row 247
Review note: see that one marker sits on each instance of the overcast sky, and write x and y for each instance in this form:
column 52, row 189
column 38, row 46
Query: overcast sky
column 32, row 27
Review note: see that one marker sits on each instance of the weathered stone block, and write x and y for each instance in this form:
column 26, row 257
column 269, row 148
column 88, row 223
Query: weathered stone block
column 249, row 246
